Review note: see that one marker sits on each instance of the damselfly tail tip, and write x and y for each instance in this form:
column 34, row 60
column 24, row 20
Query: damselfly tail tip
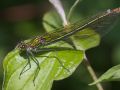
column 116, row 10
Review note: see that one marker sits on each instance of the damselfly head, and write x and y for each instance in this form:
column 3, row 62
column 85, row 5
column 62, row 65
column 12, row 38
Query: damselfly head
column 22, row 45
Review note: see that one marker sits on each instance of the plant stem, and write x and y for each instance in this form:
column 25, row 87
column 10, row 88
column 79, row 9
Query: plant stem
column 92, row 73
column 72, row 9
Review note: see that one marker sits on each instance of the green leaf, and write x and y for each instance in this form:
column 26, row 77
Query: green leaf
column 86, row 39
column 53, row 19
column 83, row 40
column 112, row 74
column 50, row 70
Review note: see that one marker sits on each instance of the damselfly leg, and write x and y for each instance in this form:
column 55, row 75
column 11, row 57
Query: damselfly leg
column 38, row 67
column 31, row 56
column 60, row 62
column 37, row 50
column 34, row 59
column 28, row 63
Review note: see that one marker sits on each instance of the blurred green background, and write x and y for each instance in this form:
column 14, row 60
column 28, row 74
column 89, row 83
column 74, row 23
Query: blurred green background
column 22, row 19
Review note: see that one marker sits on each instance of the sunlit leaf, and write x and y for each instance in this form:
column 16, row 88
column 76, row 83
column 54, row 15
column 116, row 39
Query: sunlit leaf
column 50, row 70
column 86, row 39
column 113, row 74
column 51, row 18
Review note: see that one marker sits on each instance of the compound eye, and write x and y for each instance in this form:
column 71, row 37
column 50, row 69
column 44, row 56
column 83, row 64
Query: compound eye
column 23, row 46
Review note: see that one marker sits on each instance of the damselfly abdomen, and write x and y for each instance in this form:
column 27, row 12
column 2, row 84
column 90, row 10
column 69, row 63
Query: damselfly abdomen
column 100, row 22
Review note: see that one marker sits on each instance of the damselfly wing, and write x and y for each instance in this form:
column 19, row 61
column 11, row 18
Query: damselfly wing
column 99, row 23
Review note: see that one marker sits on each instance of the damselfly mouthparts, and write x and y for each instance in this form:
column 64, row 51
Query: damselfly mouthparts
column 100, row 22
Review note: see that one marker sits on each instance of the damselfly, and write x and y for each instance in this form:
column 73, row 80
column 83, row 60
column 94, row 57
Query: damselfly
column 100, row 22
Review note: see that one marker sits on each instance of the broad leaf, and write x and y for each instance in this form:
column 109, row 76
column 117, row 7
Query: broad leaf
column 86, row 39
column 50, row 70
column 112, row 74
column 51, row 21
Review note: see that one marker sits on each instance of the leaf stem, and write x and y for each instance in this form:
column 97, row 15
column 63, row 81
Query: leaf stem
column 92, row 73
column 72, row 9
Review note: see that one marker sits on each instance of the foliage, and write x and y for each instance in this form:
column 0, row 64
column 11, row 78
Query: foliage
column 101, row 57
